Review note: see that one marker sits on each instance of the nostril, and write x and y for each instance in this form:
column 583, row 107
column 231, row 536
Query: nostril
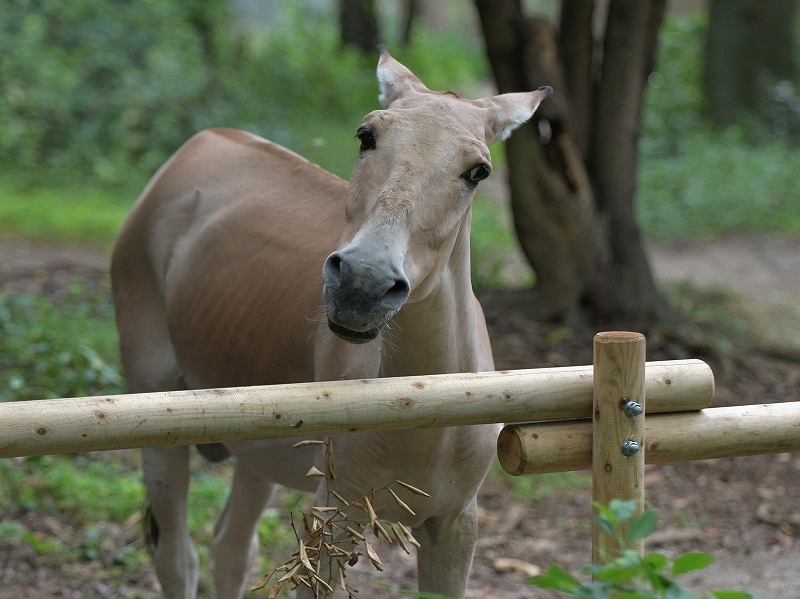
column 332, row 270
column 397, row 293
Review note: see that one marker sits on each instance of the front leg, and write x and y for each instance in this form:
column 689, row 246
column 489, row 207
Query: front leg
column 444, row 559
column 166, row 475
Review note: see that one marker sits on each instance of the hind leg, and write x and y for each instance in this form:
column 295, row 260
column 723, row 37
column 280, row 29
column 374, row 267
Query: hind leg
column 166, row 475
column 445, row 558
column 236, row 543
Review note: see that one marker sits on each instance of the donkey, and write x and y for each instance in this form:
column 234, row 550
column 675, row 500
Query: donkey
column 217, row 276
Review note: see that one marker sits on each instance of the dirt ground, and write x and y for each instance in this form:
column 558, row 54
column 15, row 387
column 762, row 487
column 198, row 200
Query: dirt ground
column 746, row 511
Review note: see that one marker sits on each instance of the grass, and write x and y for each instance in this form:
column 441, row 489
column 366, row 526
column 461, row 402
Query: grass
column 98, row 523
column 63, row 211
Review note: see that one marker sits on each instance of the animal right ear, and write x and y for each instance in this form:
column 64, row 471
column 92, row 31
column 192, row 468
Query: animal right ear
column 506, row 112
column 394, row 79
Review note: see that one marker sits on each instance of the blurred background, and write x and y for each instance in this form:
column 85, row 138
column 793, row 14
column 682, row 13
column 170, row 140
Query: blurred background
column 658, row 190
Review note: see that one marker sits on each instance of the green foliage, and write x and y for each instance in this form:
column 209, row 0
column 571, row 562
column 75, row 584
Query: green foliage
column 695, row 181
column 629, row 575
column 98, row 86
column 79, row 212
column 51, row 351
column 111, row 88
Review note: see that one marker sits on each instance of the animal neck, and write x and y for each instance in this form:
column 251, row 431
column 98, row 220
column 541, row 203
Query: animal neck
column 443, row 332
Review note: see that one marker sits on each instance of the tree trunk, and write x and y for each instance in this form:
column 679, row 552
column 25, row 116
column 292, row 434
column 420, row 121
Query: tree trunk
column 551, row 197
column 749, row 45
column 359, row 24
column 576, row 223
column 628, row 57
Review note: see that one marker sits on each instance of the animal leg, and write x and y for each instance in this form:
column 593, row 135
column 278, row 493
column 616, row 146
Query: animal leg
column 236, row 543
column 166, row 476
column 445, row 558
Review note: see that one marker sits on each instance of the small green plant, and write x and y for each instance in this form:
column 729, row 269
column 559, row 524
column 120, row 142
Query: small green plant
column 629, row 575
column 49, row 351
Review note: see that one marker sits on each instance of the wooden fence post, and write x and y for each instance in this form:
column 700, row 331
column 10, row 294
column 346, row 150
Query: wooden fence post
column 618, row 434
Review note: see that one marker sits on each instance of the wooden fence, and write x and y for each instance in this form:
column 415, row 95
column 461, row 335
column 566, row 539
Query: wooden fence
column 595, row 416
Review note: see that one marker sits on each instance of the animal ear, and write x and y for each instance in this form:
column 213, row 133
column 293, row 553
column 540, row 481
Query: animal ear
column 509, row 111
column 394, row 79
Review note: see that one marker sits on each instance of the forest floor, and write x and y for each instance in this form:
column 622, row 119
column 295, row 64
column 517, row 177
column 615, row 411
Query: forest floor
column 746, row 511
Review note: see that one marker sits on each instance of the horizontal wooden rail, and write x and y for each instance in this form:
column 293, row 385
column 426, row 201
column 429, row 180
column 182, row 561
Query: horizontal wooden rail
column 309, row 409
column 712, row 433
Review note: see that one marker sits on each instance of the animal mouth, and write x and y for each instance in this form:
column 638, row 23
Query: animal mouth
column 351, row 336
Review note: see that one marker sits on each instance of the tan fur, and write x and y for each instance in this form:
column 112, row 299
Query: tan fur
column 217, row 282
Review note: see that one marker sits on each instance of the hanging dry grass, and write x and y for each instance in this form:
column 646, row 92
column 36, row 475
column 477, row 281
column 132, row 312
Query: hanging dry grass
column 332, row 533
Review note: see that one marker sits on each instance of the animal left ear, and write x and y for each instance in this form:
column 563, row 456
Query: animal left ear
column 394, row 79
column 508, row 111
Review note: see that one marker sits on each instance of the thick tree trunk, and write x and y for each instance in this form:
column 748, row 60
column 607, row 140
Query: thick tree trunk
column 551, row 197
column 749, row 44
column 628, row 56
column 359, row 24
column 575, row 47
column 582, row 247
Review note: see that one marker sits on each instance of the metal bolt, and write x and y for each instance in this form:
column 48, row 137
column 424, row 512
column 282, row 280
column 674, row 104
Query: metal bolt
column 629, row 448
column 632, row 408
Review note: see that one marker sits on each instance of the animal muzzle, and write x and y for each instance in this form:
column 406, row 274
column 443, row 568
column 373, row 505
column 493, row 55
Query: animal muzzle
column 362, row 292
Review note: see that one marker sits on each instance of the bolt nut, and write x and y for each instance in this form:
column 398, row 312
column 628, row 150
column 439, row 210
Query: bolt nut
column 629, row 448
column 632, row 409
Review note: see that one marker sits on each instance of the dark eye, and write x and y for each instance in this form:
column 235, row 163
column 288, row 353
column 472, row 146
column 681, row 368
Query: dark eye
column 476, row 174
column 367, row 139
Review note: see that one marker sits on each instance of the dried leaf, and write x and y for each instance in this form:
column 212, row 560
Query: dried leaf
column 262, row 582
column 339, row 497
column 322, row 582
column 353, row 558
column 401, row 504
column 308, row 442
column 276, row 588
column 373, row 557
column 289, row 575
column 304, row 557
column 412, row 489
column 409, row 537
column 381, row 531
column 373, row 517
column 342, row 583
column 331, row 469
column 400, row 540
column 314, row 471
column 304, row 580
column 354, row 533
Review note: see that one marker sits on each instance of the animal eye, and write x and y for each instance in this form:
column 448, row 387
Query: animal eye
column 367, row 139
column 476, row 174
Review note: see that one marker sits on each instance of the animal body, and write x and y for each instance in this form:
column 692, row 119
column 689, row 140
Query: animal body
column 219, row 273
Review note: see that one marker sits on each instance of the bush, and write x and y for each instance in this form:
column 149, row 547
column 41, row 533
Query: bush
column 48, row 351
column 98, row 86
column 103, row 87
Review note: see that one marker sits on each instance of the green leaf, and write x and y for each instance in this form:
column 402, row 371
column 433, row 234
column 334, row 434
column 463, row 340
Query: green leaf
column 607, row 526
column 657, row 560
column 603, row 511
column 622, row 509
column 675, row 591
column 727, row 594
column 617, row 573
column 691, row 561
column 636, row 594
column 556, row 579
column 643, row 525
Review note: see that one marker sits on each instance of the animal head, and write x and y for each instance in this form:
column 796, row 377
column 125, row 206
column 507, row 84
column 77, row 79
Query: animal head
column 409, row 204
